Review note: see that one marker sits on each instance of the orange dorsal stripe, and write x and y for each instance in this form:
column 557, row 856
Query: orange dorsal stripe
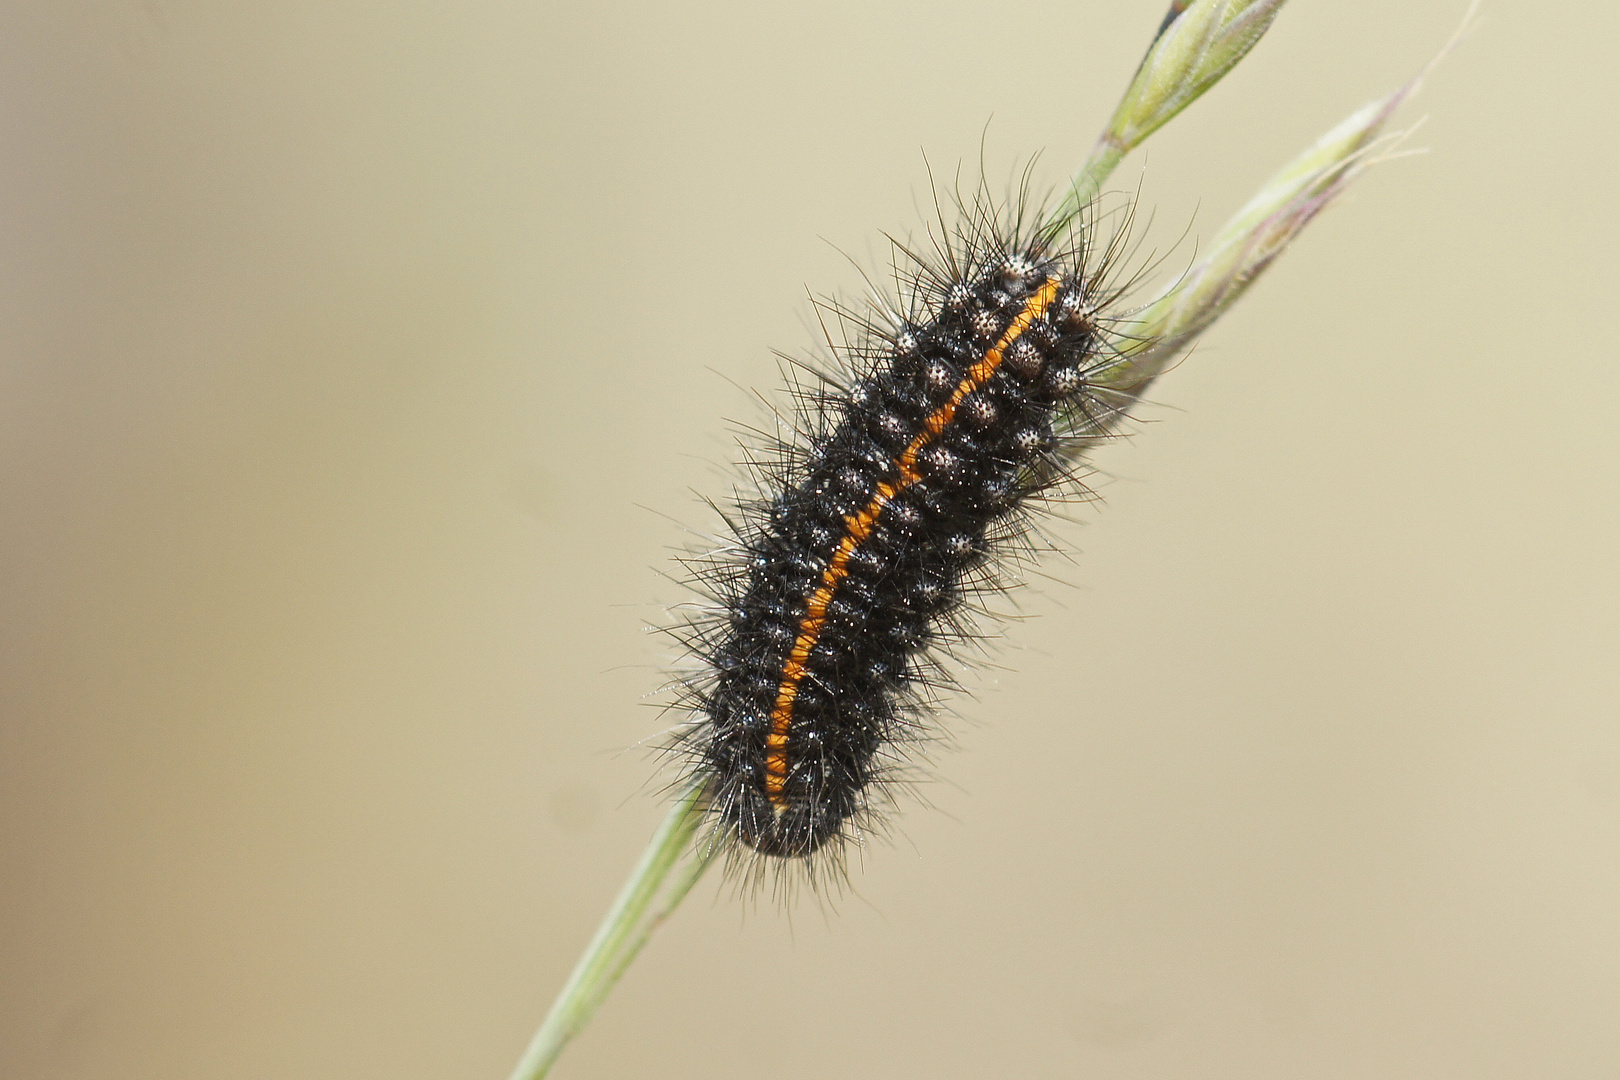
column 859, row 526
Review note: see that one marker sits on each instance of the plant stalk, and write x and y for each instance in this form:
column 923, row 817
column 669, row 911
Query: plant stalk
column 628, row 925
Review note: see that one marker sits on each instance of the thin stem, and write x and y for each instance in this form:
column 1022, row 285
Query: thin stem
column 1197, row 43
column 628, row 926
column 1109, row 151
column 1087, row 184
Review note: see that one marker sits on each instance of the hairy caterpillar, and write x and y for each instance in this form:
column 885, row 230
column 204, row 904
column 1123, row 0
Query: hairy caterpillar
column 910, row 473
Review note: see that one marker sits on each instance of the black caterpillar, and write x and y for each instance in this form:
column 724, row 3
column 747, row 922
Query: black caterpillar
column 877, row 527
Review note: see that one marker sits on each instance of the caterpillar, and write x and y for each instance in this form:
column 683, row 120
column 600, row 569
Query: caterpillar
column 908, row 478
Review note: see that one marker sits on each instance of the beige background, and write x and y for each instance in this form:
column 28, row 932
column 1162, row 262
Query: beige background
column 359, row 365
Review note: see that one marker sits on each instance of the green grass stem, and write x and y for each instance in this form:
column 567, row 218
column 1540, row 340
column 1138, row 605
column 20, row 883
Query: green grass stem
column 660, row 881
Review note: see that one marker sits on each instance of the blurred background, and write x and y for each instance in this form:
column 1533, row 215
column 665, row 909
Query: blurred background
column 360, row 370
